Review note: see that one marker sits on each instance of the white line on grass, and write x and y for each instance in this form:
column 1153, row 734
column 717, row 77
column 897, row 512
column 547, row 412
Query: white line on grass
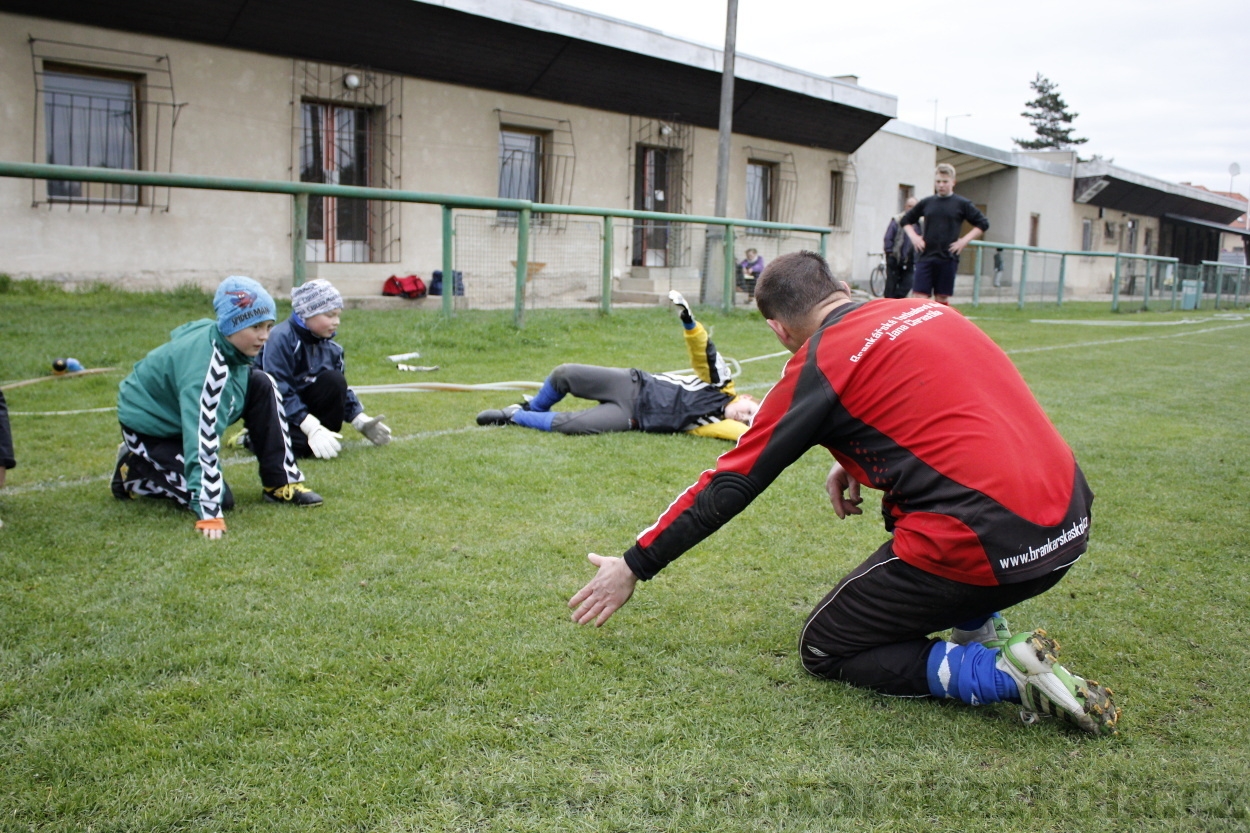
column 1177, row 322
column 1125, row 340
column 50, row 485
column 64, row 413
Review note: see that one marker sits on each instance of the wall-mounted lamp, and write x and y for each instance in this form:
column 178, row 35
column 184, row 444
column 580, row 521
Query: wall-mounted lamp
column 665, row 130
column 352, row 81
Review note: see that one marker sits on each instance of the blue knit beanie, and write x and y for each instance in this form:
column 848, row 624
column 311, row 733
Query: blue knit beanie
column 240, row 303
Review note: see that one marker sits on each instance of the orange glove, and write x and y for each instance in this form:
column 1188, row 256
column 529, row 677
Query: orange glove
column 211, row 527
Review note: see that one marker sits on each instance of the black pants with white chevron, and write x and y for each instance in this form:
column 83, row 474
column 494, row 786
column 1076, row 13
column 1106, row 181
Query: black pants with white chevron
column 155, row 465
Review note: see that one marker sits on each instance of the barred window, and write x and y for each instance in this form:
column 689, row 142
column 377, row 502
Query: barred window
column 520, row 165
column 837, row 197
column 91, row 120
column 336, row 149
column 761, row 179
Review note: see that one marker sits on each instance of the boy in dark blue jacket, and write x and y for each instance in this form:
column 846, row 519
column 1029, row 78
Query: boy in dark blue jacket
column 307, row 366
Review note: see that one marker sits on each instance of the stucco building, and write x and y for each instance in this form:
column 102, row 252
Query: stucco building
column 510, row 98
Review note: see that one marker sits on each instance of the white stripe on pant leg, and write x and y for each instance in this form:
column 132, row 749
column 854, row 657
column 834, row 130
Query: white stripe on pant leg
column 842, row 586
column 208, row 445
column 293, row 473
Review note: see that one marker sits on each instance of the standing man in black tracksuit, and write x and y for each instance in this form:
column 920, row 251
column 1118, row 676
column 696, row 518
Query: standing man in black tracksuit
column 944, row 214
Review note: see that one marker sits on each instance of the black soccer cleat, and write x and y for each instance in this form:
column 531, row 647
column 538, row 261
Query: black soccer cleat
column 498, row 416
column 293, row 494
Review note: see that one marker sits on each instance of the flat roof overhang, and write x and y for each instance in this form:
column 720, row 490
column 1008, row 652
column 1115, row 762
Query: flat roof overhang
column 1207, row 224
column 524, row 47
column 1098, row 183
column 971, row 159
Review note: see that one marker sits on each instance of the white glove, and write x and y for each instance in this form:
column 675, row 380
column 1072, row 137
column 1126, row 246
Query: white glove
column 323, row 442
column 374, row 429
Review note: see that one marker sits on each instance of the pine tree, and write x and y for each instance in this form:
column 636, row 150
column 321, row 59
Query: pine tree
column 1048, row 113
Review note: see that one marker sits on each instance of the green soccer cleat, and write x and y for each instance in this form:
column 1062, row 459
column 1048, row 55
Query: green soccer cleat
column 1046, row 687
column 994, row 633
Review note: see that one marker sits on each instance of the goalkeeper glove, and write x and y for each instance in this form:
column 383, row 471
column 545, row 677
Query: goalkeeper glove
column 323, row 442
column 374, row 429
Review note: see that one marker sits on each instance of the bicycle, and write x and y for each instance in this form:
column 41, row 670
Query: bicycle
column 876, row 279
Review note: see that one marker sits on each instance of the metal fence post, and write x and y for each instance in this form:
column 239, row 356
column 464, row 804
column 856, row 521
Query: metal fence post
column 299, row 245
column 1115, row 286
column 824, row 246
column 1024, row 277
column 605, row 291
column 1219, row 284
column 449, row 276
column 1145, row 297
column 976, row 277
column 1063, row 268
column 728, row 303
column 522, row 264
column 1176, row 282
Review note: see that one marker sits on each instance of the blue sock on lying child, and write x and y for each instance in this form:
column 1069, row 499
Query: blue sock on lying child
column 534, row 419
column 546, row 397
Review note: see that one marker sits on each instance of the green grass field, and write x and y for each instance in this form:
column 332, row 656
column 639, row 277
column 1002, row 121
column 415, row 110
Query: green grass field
column 401, row 659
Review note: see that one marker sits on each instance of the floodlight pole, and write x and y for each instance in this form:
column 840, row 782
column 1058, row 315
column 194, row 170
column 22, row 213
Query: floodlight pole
column 713, row 290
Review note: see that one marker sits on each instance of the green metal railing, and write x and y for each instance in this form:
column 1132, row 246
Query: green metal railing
column 525, row 210
column 1120, row 258
column 1240, row 270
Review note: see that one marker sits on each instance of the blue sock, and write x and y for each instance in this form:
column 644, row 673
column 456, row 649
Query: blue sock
column 546, row 397
column 534, row 419
column 969, row 673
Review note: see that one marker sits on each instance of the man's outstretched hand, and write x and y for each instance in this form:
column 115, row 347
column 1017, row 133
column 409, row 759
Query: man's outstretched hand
column 607, row 591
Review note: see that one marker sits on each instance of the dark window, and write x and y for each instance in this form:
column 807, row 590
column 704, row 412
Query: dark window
column 760, row 182
column 520, row 166
column 905, row 192
column 837, row 196
column 336, row 149
column 1035, row 221
column 1087, row 235
column 91, row 120
column 1130, row 237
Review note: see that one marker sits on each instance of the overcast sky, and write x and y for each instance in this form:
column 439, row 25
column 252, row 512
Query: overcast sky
column 1161, row 88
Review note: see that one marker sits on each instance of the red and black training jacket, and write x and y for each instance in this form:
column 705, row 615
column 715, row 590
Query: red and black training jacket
column 916, row 401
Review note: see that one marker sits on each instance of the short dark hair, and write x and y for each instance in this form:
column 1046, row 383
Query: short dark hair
column 793, row 285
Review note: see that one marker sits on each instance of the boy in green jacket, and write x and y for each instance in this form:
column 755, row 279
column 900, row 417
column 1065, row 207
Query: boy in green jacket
column 178, row 401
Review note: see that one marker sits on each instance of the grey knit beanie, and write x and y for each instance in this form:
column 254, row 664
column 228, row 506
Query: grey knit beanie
column 314, row 298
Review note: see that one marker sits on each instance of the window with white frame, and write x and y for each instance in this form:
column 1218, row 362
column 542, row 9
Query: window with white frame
column 1087, row 235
